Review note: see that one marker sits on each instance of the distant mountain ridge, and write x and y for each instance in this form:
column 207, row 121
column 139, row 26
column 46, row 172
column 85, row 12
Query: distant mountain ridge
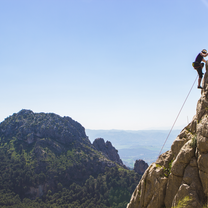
column 134, row 145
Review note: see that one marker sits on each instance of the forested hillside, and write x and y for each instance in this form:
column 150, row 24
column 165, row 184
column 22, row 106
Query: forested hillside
column 48, row 161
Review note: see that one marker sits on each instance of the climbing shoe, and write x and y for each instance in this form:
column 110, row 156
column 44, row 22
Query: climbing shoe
column 199, row 87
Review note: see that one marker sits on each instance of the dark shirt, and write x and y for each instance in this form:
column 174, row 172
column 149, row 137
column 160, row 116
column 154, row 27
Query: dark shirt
column 199, row 58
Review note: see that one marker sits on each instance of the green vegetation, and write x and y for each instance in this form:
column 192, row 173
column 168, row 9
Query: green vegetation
column 69, row 179
column 193, row 142
column 46, row 161
column 113, row 188
column 167, row 171
column 183, row 203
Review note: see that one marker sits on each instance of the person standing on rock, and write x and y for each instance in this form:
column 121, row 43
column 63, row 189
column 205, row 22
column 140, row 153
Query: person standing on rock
column 198, row 65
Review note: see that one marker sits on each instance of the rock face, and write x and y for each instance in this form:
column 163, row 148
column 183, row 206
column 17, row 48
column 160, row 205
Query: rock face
column 140, row 166
column 108, row 150
column 181, row 171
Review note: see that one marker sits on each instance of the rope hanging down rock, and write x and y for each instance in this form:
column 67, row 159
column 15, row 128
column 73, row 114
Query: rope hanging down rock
column 177, row 116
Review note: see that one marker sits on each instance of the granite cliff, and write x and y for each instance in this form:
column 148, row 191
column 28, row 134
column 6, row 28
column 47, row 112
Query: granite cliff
column 182, row 171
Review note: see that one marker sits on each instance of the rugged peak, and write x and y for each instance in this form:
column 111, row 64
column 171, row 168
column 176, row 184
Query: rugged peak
column 140, row 166
column 30, row 127
column 108, row 150
column 25, row 112
column 99, row 143
column 182, row 171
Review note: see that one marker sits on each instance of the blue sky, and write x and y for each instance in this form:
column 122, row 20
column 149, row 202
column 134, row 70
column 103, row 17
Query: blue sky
column 108, row 64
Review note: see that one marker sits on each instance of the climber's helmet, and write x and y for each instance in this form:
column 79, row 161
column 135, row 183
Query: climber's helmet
column 204, row 51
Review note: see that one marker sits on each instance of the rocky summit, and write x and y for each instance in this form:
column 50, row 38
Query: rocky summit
column 31, row 127
column 180, row 174
column 108, row 150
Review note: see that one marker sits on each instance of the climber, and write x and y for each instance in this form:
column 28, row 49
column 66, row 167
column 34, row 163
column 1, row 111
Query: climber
column 198, row 65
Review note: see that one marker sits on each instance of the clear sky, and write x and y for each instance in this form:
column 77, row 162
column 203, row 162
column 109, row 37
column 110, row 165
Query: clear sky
column 108, row 64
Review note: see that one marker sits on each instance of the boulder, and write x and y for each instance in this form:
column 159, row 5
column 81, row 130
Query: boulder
column 140, row 166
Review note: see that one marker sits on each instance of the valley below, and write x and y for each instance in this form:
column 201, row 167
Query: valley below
column 134, row 145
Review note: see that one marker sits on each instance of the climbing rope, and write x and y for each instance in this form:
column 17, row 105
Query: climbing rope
column 177, row 116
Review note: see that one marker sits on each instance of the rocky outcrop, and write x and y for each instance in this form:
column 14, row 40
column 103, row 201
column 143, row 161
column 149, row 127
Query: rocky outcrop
column 30, row 127
column 181, row 171
column 108, row 150
column 140, row 166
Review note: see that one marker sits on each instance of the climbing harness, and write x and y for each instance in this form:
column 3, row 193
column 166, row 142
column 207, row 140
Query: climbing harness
column 177, row 116
column 197, row 65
